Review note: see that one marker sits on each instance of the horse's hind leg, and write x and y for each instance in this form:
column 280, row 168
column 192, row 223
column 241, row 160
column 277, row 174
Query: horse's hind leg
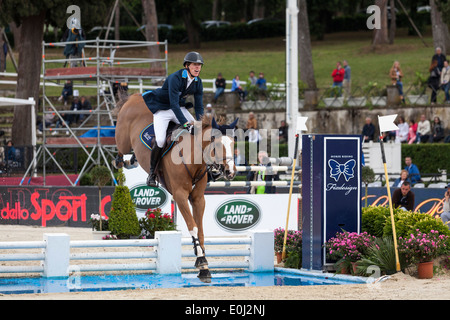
column 118, row 161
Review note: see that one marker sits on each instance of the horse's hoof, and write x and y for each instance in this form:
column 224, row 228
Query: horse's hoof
column 204, row 275
column 129, row 165
column 201, row 262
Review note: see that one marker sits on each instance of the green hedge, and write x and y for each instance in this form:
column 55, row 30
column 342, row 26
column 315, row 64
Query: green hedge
column 429, row 157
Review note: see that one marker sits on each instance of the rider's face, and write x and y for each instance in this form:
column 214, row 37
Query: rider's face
column 195, row 69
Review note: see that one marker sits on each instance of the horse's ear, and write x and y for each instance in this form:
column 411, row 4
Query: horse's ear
column 214, row 123
column 234, row 123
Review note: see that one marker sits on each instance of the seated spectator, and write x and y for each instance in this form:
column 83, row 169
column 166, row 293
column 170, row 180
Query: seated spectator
column 220, row 87
column 261, row 82
column 85, row 105
column 412, row 132
column 423, row 130
column 403, row 197
column 48, row 118
column 237, row 87
column 403, row 131
column 438, row 131
column 283, row 132
column 368, row 130
column 67, row 91
column 445, row 216
column 413, row 171
column 59, row 123
column 73, row 117
column 403, row 178
column 251, row 122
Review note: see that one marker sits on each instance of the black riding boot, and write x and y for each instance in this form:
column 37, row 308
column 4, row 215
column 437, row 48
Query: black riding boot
column 151, row 179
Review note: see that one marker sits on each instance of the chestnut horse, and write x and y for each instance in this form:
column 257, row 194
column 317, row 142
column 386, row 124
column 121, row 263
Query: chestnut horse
column 180, row 170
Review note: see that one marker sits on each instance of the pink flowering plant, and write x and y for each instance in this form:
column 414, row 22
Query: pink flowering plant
column 423, row 247
column 155, row 220
column 293, row 240
column 348, row 246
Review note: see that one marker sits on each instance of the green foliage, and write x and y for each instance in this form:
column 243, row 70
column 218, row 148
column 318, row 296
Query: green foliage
column 100, row 176
column 428, row 157
column 123, row 221
column 373, row 220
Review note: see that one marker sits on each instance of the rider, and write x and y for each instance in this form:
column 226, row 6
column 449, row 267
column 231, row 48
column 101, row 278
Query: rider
column 168, row 103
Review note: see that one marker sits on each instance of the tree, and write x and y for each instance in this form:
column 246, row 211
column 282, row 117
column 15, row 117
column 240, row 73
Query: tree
column 439, row 20
column 100, row 176
column 187, row 8
column 380, row 36
column 304, row 47
column 151, row 28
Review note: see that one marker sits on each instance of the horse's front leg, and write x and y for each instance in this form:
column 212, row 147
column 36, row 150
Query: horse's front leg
column 118, row 161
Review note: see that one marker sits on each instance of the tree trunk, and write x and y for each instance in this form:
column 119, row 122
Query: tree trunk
column 28, row 79
column 192, row 27
column 117, row 23
column 304, row 47
column 380, row 36
column 441, row 36
column 214, row 10
column 393, row 26
column 151, row 29
column 258, row 9
column 2, row 54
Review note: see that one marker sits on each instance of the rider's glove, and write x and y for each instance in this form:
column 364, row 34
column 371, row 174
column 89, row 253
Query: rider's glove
column 189, row 127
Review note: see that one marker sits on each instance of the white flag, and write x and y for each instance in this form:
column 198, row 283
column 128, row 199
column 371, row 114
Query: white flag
column 301, row 124
column 387, row 123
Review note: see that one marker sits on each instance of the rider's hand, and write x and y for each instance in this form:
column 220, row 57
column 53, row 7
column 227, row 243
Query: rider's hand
column 189, row 127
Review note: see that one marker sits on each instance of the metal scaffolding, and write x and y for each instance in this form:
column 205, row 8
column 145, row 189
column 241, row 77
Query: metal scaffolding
column 102, row 73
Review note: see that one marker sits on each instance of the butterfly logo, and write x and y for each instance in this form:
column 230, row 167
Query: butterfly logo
column 337, row 169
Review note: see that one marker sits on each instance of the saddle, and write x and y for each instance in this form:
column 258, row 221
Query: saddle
column 148, row 134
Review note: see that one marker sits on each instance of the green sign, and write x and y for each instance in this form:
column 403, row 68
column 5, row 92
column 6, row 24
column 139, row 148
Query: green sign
column 237, row 215
column 145, row 197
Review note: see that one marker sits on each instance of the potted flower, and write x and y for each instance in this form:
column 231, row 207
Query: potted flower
column 335, row 97
column 346, row 248
column 421, row 248
column 293, row 243
column 155, row 220
column 418, row 95
column 99, row 226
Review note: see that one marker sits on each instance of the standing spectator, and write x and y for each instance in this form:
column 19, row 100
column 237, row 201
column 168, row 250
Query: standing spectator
column 220, row 87
column 338, row 77
column 267, row 175
column 423, row 129
column 396, row 75
column 440, row 57
column 10, row 151
column 438, row 131
column 261, row 82
column 283, row 132
column 237, row 87
column 252, row 78
column 239, row 159
column 445, row 216
column 347, row 82
column 413, row 171
column 67, row 91
column 403, row 197
column 412, row 132
column 403, row 130
column 433, row 80
column 445, row 81
column 368, row 130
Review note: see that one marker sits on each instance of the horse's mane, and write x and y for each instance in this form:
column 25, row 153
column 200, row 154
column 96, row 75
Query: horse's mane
column 123, row 98
column 206, row 120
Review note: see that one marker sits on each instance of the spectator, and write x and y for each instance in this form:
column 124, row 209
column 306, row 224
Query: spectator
column 252, row 78
column 445, row 216
column 283, row 132
column 338, row 77
column 237, row 87
column 220, row 87
column 368, row 130
column 251, row 122
column 445, row 81
column 67, row 91
column 433, row 80
column 10, row 151
column 85, row 105
column 48, row 118
column 396, row 75
column 73, row 51
column 403, row 197
column 239, row 160
column 423, row 129
column 440, row 57
column 438, row 131
column 347, row 83
column 403, row 178
column 413, row 171
column 261, row 82
column 59, row 123
column 73, row 117
column 412, row 132
column 267, row 175
column 403, row 130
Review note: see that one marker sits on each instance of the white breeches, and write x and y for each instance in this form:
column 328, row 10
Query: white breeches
column 161, row 121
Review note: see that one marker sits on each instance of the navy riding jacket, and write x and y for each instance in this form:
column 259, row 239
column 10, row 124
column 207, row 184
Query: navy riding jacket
column 173, row 93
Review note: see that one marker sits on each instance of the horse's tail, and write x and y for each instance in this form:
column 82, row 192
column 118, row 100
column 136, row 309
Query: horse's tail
column 123, row 98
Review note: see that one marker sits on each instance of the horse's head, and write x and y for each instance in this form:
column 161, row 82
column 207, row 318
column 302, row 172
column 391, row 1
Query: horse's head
column 223, row 139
